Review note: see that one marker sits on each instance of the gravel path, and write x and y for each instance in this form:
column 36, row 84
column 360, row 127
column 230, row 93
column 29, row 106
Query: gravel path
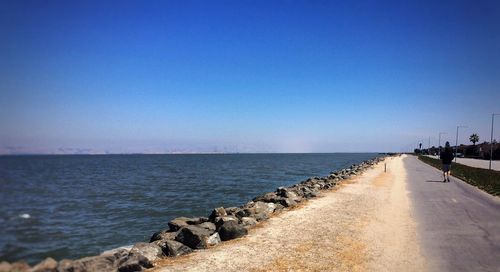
column 364, row 225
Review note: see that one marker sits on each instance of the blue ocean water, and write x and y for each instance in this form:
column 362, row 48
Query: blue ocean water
column 71, row 206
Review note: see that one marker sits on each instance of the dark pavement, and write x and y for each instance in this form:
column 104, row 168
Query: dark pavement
column 458, row 224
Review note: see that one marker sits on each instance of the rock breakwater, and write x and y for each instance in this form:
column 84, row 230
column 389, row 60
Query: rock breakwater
column 185, row 235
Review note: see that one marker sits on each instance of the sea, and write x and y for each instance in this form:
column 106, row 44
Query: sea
column 71, row 206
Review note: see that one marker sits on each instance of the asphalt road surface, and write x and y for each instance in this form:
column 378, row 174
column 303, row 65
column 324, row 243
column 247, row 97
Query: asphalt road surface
column 458, row 225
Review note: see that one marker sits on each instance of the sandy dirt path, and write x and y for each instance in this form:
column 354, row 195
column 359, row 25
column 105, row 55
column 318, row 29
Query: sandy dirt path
column 365, row 224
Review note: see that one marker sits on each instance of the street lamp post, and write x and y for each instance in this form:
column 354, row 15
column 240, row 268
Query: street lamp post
column 456, row 142
column 491, row 140
column 439, row 146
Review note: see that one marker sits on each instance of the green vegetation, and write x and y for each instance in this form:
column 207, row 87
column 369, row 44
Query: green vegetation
column 474, row 138
column 484, row 179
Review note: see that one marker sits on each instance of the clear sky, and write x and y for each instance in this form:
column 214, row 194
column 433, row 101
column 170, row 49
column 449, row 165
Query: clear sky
column 245, row 76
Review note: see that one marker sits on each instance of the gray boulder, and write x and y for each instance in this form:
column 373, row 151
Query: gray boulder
column 287, row 202
column 269, row 197
column 5, row 266
column 150, row 251
column 260, row 216
column 134, row 263
column 173, row 248
column 263, row 207
column 217, row 212
column 193, row 236
column 214, row 239
column 17, row 266
column 248, row 221
column 232, row 210
column 246, row 212
column 163, row 235
column 219, row 221
column 208, row 226
column 231, row 230
column 104, row 262
column 47, row 265
column 178, row 223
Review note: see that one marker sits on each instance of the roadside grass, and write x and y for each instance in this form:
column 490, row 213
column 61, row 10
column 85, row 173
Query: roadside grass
column 485, row 179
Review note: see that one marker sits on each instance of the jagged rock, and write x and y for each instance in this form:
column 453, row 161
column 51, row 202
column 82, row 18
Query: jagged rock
column 287, row 202
column 47, row 265
column 263, row 207
column 217, row 212
column 260, row 216
column 214, row 239
column 231, row 230
column 103, row 262
column 5, row 266
column 150, row 251
column 163, row 235
column 232, row 210
column 219, row 221
column 180, row 222
column 279, row 207
column 134, row 263
column 193, row 236
column 248, row 221
column 208, row 226
column 269, row 197
column 173, row 248
column 246, row 212
column 20, row 266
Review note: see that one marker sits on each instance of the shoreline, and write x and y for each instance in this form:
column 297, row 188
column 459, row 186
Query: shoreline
column 185, row 235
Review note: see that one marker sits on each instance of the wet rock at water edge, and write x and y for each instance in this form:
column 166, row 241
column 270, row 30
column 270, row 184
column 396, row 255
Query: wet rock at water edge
column 193, row 236
column 180, row 222
column 47, row 265
column 268, row 197
column 217, row 212
column 173, row 248
column 163, row 235
column 231, row 230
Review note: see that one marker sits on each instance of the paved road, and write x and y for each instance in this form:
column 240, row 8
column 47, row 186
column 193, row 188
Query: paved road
column 459, row 225
column 495, row 165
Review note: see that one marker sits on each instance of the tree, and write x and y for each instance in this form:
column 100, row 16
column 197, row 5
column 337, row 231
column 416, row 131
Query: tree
column 474, row 138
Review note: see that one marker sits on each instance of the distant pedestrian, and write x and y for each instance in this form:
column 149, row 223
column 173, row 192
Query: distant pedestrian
column 446, row 158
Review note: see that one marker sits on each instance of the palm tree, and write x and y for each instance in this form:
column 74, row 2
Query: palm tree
column 474, row 138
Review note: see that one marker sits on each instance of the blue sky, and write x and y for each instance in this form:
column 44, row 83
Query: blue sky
column 245, row 76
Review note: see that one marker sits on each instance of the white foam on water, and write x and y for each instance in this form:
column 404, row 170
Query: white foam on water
column 25, row 216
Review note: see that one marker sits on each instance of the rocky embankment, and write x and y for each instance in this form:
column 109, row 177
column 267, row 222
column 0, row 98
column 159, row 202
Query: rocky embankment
column 185, row 235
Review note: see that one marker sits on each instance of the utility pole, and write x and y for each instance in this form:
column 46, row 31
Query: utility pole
column 491, row 139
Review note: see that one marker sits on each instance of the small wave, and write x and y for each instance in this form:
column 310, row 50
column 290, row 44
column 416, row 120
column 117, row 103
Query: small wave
column 25, row 215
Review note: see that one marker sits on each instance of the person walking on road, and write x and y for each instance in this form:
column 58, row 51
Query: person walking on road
column 446, row 158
